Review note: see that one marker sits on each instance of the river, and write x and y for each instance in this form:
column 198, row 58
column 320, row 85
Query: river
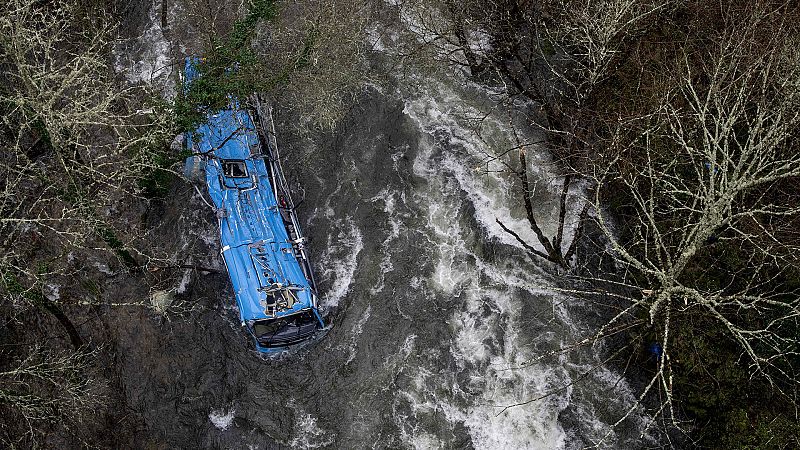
column 438, row 316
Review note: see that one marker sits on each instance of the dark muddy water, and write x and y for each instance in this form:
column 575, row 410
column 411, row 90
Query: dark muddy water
column 436, row 312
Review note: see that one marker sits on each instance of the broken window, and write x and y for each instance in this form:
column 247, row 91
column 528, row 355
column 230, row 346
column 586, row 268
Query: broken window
column 234, row 169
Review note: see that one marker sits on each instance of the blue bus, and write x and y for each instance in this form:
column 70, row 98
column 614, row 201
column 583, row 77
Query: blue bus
column 261, row 241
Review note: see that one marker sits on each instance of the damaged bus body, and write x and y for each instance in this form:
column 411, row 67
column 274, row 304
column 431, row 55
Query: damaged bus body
column 262, row 245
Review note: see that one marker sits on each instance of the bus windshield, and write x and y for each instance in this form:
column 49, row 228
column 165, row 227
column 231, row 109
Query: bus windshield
column 285, row 330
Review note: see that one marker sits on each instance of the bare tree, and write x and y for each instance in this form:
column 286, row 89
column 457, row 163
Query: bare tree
column 311, row 54
column 45, row 386
column 708, row 164
column 558, row 54
column 71, row 148
column 320, row 47
column 701, row 138
column 73, row 151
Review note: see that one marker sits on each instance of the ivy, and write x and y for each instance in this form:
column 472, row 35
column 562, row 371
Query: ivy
column 230, row 67
column 110, row 238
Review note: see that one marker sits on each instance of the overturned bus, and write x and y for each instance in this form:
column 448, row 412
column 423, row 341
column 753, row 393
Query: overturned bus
column 261, row 240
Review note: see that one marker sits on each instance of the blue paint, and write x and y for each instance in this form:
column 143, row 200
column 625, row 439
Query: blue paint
column 261, row 240
column 707, row 165
column 656, row 350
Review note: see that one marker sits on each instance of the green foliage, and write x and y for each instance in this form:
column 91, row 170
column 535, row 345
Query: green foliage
column 230, row 67
column 309, row 42
column 11, row 284
column 92, row 287
column 714, row 389
column 755, row 429
column 156, row 179
column 42, row 267
column 44, row 135
column 153, row 157
column 110, row 238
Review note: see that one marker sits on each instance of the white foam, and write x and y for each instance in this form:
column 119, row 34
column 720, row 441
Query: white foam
column 395, row 224
column 355, row 333
column 504, row 378
column 307, row 433
column 485, row 344
column 222, row 419
column 422, row 440
column 479, row 41
column 152, row 63
column 103, row 268
column 488, row 342
column 187, row 277
column 51, row 291
column 442, row 116
column 340, row 260
column 381, row 39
